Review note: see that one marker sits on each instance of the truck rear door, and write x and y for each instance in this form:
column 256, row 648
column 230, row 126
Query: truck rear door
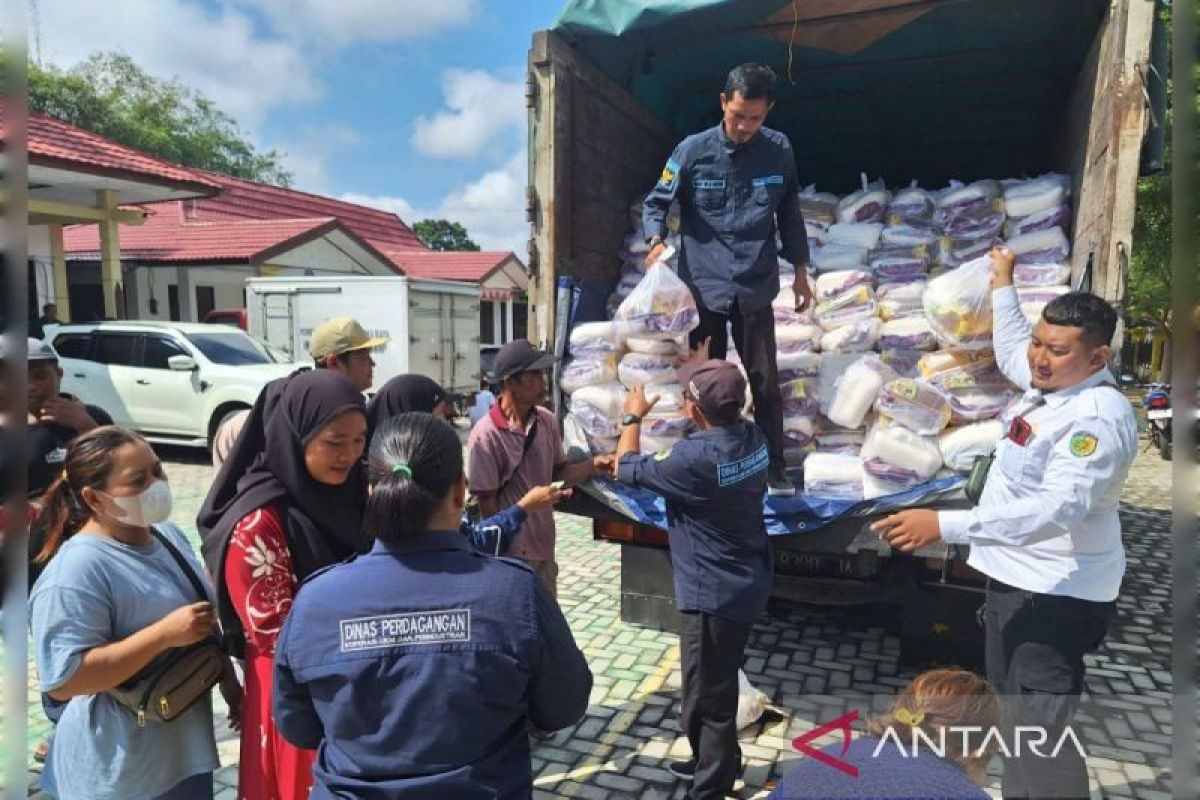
column 592, row 148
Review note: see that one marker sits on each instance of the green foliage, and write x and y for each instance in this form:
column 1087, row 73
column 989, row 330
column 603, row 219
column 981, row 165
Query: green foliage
column 1150, row 266
column 111, row 95
column 442, row 234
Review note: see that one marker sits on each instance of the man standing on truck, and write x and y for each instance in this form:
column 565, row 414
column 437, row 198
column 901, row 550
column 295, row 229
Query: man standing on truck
column 516, row 446
column 1046, row 531
column 737, row 188
column 713, row 482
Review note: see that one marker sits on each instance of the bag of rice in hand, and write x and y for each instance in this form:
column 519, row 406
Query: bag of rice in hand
column 660, row 304
column 914, row 404
column 958, row 305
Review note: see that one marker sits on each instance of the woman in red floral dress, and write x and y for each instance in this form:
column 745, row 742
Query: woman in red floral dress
column 298, row 508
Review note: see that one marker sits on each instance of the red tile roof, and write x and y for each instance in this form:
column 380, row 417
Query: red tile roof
column 166, row 238
column 471, row 266
column 242, row 199
column 54, row 143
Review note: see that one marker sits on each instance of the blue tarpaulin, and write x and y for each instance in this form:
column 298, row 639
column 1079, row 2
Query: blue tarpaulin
column 784, row 515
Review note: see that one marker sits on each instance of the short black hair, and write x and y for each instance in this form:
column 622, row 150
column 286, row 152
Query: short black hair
column 1083, row 310
column 752, row 80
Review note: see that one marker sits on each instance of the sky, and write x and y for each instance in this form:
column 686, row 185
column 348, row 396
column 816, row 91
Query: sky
column 412, row 106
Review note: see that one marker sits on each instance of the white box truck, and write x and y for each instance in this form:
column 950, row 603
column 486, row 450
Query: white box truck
column 433, row 325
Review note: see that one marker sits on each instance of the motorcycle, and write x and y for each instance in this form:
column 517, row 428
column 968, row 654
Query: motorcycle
column 1157, row 402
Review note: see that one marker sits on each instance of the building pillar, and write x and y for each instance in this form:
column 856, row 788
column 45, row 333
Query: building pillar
column 110, row 257
column 58, row 263
column 187, row 295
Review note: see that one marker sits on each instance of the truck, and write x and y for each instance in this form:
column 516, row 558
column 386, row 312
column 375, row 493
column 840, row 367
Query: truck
column 924, row 90
column 432, row 325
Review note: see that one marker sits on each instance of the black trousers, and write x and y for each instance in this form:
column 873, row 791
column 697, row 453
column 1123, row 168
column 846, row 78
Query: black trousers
column 711, row 651
column 1035, row 645
column 754, row 337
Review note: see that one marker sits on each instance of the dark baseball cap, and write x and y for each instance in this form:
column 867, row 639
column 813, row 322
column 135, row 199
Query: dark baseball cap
column 716, row 386
column 520, row 356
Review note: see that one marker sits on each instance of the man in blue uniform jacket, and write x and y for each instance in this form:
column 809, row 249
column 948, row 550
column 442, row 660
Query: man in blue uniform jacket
column 737, row 189
column 713, row 482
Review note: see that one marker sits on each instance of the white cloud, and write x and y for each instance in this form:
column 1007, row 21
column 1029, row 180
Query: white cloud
column 216, row 51
column 491, row 208
column 479, row 108
column 323, row 24
column 306, row 154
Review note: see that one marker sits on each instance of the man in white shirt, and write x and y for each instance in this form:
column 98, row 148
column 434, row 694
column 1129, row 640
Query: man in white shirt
column 1046, row 531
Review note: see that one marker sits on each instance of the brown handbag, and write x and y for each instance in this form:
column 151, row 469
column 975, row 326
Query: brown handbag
column 179, row 678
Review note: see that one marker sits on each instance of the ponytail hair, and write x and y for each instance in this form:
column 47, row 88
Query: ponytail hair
column 88, row 463
column 415, row 461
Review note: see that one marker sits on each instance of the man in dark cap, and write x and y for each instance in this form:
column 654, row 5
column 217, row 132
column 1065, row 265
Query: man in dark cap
column 713, row 482
column 517, row 446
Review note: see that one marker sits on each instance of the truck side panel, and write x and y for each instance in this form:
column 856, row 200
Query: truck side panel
column 593, row 149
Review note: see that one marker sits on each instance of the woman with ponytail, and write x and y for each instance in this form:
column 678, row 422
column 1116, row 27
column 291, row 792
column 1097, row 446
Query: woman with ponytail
column 296, row 509
column 416, row 668
column 111, row 600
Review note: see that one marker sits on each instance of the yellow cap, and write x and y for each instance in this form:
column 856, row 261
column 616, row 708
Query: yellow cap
column 341, row 335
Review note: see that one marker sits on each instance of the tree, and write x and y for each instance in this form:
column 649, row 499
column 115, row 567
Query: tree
column 442, row 234
column 110, row 95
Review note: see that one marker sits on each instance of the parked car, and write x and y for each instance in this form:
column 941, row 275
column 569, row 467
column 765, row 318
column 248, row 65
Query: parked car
column 172, row 381
column 235, row 317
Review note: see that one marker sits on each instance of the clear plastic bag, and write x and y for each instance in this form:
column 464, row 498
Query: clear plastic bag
column 914, row 404
column 961, row 446
column 664, row 346
column 908, row 234
column 797, row 338
column 800, row 398
column 846, row 308
column 958, row 305
column 975, row 403
column 855, row 234
column 913, row 203
column 833, row 475
column 1040, row 247
column 588, row 372
column 645, row 369
column 903, row 362
column 907, row 333
column 900, row 265
column 945, row 360
column 661, row 303
column 1039, row 275
column 869, row 204
column 597, row 408
column 857, row 337
column 901, row 300
column 831, row 284
column 592, row 339
column 1057, row 217
column 834, row 257
column 1034, row 300
column 904, row 452
column 818, row 206
column 1038, row 194
column 854, row 392
column 983, row 223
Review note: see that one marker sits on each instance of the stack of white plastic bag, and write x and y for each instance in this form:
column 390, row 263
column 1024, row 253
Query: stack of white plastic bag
column 901, row 448
column 1039, row 212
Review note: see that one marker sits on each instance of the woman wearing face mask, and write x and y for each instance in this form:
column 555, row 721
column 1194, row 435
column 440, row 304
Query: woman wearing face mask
column 425, row 691
column 421, row 394
column 111, row 600
column 297, row 509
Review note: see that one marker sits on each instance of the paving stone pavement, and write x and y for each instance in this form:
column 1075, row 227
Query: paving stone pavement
column 621, row 747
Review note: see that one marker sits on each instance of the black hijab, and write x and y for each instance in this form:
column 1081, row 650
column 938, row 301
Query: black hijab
column 322, row 523
column 400, row 395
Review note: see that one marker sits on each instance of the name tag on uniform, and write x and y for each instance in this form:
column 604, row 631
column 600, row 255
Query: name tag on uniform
column 737, row 471
column 1019, row 431
column 767, row 180
column 708, row 183
column 399, row 630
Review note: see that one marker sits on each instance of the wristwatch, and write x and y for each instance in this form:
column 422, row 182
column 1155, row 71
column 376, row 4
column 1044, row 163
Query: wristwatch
column 630, row 419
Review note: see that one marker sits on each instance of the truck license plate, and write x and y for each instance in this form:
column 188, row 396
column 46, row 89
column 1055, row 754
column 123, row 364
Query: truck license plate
column 1159, row 413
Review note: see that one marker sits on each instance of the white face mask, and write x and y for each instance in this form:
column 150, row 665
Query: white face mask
column 148, row 508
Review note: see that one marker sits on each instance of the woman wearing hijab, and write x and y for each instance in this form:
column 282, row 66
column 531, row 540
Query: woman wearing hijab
column 405, row 394
column 297, row 509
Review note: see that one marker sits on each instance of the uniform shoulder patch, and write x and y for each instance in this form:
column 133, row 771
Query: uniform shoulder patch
column 669, row 175
column 1083, row 444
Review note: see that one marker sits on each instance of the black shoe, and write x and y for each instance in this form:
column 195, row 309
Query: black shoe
column 684, row 770
column 778, row 483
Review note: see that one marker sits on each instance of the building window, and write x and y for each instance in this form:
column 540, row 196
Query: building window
column 520, row 321
column 206, row 301
column 173, row 302
column 487, row 322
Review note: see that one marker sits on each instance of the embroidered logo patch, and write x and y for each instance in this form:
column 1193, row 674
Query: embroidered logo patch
column 737, row 471
column 398, row 630
column 669, row 174
column 1083, row 445
column 766, row 180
